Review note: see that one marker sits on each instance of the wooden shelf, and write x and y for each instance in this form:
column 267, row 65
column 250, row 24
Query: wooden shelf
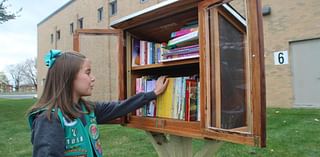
column 166, row 64
column 166, row 125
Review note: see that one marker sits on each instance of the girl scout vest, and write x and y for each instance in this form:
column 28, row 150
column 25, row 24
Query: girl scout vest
column 80, row 140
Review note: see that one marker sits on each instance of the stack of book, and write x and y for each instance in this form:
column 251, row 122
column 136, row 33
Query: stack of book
column 181, row 53
column 183, row 45
column 179, row 101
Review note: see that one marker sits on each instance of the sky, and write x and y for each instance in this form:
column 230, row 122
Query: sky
column 18, row 37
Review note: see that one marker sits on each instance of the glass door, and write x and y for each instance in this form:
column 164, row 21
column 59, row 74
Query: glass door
column 231, row 110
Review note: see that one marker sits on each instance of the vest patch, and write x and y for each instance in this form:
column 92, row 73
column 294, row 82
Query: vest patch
column 93, row 131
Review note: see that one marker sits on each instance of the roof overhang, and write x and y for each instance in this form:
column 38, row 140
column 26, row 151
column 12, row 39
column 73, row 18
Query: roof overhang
column 159, row 10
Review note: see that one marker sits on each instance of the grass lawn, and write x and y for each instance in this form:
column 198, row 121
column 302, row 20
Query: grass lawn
column 290, row 133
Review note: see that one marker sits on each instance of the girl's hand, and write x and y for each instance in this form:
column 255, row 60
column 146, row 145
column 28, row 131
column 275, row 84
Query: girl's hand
column 161, row 85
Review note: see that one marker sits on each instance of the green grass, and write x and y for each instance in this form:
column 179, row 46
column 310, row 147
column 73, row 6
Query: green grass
column 14, row 131
column 290, row 133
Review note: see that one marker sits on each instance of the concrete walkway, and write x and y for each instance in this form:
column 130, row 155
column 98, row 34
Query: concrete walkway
column 17, row 96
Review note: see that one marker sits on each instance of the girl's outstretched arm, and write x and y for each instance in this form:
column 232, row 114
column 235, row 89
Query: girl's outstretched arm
column 106, row 111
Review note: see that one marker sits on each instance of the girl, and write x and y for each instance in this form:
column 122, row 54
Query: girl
column 62, row 122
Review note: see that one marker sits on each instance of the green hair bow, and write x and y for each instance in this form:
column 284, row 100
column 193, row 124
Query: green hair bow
column 51, row 56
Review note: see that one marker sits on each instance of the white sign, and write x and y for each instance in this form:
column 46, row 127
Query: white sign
column 280, row 57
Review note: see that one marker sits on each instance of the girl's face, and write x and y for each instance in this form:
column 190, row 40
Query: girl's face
column 84, row 81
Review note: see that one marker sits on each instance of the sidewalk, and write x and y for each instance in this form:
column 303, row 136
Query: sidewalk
column 18, row 95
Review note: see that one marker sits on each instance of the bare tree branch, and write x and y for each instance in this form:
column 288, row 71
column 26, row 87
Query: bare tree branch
column 30, row 71
column 16, row 73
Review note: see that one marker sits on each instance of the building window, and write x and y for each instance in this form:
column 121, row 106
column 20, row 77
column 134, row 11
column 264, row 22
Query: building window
column 80, row 23
column 71, row 28
column 51, row 36
column 142, row 1
column 58, row 35
column 113, row 7
column 100, row 14
column 43, row 82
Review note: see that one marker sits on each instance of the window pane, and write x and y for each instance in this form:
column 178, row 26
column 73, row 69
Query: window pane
column 80, row 23
column 51, row 36
column 71, row 28
column 113, row 7
column 232, row 75
column 58, row 34
column 142, row 1
column 100, row 14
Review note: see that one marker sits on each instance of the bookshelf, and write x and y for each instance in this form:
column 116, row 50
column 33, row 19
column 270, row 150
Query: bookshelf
column 229, row 111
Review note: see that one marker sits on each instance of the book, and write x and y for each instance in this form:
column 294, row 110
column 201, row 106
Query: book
column 187, row 37
column 164, row 101
column 182, row 50
column 192, row 100
column 135, row 52
column 142, row 52
column 181, row 57
column 150, row 108
column 139, row 88
column 182, row 32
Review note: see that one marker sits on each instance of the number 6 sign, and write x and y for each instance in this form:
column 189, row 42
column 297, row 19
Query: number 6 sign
column 280, row 57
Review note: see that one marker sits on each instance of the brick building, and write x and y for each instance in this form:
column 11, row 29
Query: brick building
column 5, row 87
column 291, row 32
column 27, row 88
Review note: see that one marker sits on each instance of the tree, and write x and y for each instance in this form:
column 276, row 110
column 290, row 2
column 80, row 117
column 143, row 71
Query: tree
column 16, row 73
column 30, row 72
column 4, row 15
column 4, row 82
column 3, row 78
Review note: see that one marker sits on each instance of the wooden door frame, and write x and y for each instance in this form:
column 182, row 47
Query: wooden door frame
column 117, row 32
column 256, row 53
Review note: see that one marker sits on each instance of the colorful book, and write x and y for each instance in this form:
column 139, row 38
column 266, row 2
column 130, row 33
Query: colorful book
column 139, row 88
column 142, row 52
column 150, row 108
column 187, row 37
column 192, row 100
column 182, row 32
column 135, row 52
column 180, row 100
column 181, row 57
column 164, row 101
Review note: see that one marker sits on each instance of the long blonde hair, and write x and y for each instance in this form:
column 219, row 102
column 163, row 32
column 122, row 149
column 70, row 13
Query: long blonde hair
column 58, row 88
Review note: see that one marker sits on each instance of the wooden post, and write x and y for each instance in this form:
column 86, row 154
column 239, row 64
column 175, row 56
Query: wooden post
column 176, row 146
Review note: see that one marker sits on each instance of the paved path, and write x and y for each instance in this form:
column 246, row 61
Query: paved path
column 18, row 96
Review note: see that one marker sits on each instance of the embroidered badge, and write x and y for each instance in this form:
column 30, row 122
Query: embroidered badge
column 93, row 120
column 93, row 131
column 98, row 147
